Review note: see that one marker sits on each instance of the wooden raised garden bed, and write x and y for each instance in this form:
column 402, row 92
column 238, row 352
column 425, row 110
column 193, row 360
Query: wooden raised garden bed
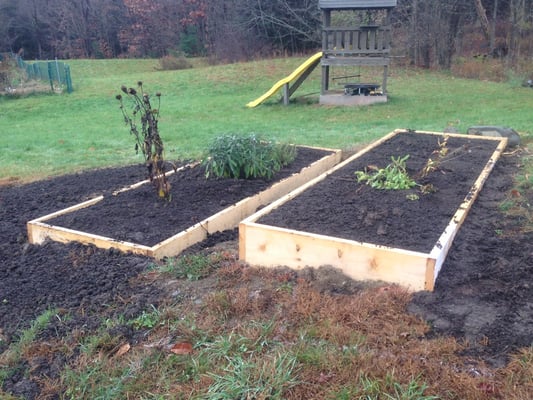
column 397, row 236
column 65, row 226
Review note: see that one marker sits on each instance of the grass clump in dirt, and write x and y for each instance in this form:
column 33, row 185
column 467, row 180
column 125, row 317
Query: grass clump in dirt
column 246, row 157
column 191, row 266
column 147, row 319
column 241, row 378
column 11, row 358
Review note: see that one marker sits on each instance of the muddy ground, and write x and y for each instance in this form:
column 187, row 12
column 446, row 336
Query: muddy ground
column 483, row 295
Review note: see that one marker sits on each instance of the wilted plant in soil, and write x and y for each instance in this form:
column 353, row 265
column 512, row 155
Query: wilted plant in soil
column 433, row 163
column 247, row 157
column 147, row 139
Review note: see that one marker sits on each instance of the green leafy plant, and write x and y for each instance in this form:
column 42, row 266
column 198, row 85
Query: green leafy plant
column 191, row 266
column 146, row 320
column 394, row 176
column 147, row 139
column 246, row 157
column 412, row 196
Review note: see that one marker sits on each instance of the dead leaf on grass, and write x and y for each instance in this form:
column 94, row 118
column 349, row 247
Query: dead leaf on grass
column 123, row 350
column 323, row 378
column 182, row 348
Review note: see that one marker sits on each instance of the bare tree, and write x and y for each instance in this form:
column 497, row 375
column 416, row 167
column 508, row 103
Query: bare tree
column 27, row 26
column 8, row 31
column 434, row 29
column 74, row 20
column 429, row 30
column 240, row 29
column 292, row 25
column 111, row 19
column 520, row 22
column 489, row 29
column 154, row 27
column 482, row 15
column 227, row 35
column 492, row 36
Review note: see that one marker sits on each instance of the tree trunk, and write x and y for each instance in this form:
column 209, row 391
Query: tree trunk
column 482, row 14
column 413, row 49
column 492, row 40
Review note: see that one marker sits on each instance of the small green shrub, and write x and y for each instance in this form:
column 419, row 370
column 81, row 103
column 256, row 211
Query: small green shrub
column 246, row 157
column 394, row 176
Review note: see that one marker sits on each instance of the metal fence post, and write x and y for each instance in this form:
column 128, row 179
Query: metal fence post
column 68, row 79
column 50, row 75
column 57, row 69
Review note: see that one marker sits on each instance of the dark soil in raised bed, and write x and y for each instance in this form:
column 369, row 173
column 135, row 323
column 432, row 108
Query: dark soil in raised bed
column 341, row 207
column 483, row 293
column 139, row 216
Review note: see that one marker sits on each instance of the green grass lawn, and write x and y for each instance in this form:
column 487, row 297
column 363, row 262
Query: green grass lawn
column 46, row 135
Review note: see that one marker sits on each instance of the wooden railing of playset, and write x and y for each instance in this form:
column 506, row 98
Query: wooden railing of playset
column 359, row 41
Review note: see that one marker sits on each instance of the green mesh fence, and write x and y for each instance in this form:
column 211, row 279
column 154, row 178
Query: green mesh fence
column 55, row 72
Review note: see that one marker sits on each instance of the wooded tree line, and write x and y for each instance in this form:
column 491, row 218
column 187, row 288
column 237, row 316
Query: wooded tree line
column 428, row 32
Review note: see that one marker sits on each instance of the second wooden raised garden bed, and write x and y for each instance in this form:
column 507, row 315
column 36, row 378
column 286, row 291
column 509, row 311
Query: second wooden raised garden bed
column 397, row 236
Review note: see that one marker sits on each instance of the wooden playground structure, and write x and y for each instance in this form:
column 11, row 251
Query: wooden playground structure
column 355, row 33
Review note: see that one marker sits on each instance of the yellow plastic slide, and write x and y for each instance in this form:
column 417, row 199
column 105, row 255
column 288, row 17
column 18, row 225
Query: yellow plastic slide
column 311, row 62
